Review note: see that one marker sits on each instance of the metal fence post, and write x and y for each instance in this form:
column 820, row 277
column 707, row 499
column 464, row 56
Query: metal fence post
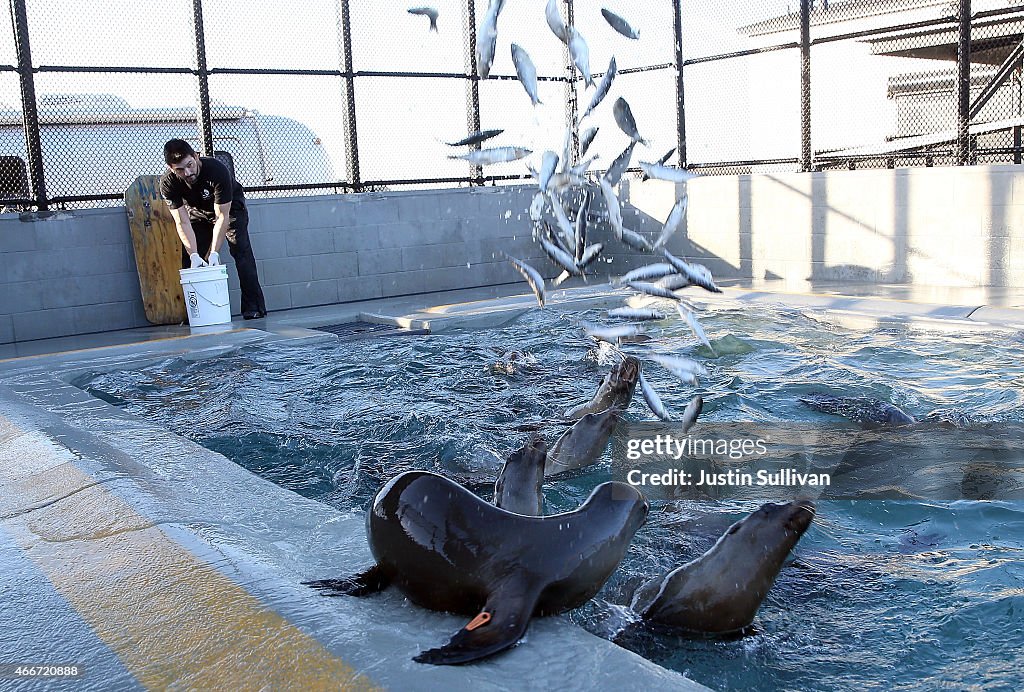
column 805, row 86
column 571, row 101
column 348, row 96
column 677, row 28
column 472, row 84
column 205, row 120
column 963, row 82
column 30, row 115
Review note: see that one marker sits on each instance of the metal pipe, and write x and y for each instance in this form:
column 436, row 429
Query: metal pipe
column 30, row 115
column 677, row 33
column 571, row 99
column 472, row 80
column 205, row 120
column 348, row 95
column 963, row 78
column 805, row 85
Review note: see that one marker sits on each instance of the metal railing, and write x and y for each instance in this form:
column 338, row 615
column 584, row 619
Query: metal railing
column 733, row 87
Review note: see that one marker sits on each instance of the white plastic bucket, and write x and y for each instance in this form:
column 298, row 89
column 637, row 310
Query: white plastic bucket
column 206, row 295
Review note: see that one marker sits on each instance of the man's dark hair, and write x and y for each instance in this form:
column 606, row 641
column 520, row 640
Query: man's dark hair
column 177, row 149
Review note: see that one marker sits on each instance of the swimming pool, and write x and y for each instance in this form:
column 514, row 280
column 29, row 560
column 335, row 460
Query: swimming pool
column 894, row 593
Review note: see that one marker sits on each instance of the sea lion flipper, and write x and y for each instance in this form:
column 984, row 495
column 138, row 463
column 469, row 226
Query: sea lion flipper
column 362, row 584
column 497, row 627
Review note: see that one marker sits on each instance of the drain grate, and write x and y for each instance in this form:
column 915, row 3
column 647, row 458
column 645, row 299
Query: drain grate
column 367, row 330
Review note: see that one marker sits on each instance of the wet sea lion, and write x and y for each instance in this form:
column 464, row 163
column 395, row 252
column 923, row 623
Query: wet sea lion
column 616, row 389
column 518, row 488
column 446, row 549
column 720, row 591
column 583, row 443
column 875, row 413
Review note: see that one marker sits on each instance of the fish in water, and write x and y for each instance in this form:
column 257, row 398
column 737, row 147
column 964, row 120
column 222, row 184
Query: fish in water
column 476, row 138
column 865, row 411
column 620, row 24
column 624, row 119
column 532, row 277
column 428, row 12
column 636, row 313
column 555, row 22
column 485, row 157
column 612, row 335
column 526, row 71
column 580, row 55
column 602, row 88
column 487, row 39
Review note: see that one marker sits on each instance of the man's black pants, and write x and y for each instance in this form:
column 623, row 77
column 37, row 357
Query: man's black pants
column 237, row 236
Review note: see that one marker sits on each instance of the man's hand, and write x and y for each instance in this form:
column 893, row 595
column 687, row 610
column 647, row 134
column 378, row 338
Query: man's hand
column 214, row 259
column 196, row 260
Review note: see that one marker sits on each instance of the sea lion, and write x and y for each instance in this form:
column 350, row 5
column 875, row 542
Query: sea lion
column 446, row 549
column 615, row 389
column 583, row 443
column 720, row 591
column 518, row 488
column 874, row 413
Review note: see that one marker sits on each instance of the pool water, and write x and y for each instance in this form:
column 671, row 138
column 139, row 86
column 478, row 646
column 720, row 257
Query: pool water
column 898, row 594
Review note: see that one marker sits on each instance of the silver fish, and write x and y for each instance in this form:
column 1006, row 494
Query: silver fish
column 624, row 119
column 614, row 173
column 612, row 202
column 581, row 224
column 564, row 225
column 679, row 364
column 532, row 277
column 554, row 19
column 543, row 230
column 652, row 290
column 695, row 276
column 476, row 137
column 602, row 88
column 648, row 272
column 695, row 327
column 549, row 161
column 661, row 162
column 635, row 240
column 675, row 217
column 636, row 313
column 526, row 71
column 560, row 181
column 674, row 282
column 590, row 253
column 484, row 157
column 537, row 207
column 612, row 334
column 586, row 139
column 620, row 24
column 560, row 257
column 427, row 12
column 581, row 168
column 675, row 175
column 580, row 55
column 487, row 39
column 690, row 414
column 557, row 281
column 652, row 399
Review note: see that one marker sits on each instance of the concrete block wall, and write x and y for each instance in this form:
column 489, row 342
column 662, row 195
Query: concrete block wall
column 961, row 226
column 74, row 272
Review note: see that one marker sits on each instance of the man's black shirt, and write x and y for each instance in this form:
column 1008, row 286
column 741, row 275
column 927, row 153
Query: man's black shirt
column 214, row 185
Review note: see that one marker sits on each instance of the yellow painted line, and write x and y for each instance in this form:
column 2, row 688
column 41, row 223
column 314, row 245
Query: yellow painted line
column 172, row 618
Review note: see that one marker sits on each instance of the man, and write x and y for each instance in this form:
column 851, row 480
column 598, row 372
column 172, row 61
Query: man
column 208, row 207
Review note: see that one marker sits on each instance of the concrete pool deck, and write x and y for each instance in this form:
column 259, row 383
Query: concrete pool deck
column 154, row 562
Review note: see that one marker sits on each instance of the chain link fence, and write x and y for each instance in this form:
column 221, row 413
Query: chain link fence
column 329, row 96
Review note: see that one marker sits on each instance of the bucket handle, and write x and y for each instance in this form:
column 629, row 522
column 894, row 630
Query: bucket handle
column 211, row 302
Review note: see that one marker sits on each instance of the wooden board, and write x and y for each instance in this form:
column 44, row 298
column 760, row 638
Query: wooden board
column 157, row 251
